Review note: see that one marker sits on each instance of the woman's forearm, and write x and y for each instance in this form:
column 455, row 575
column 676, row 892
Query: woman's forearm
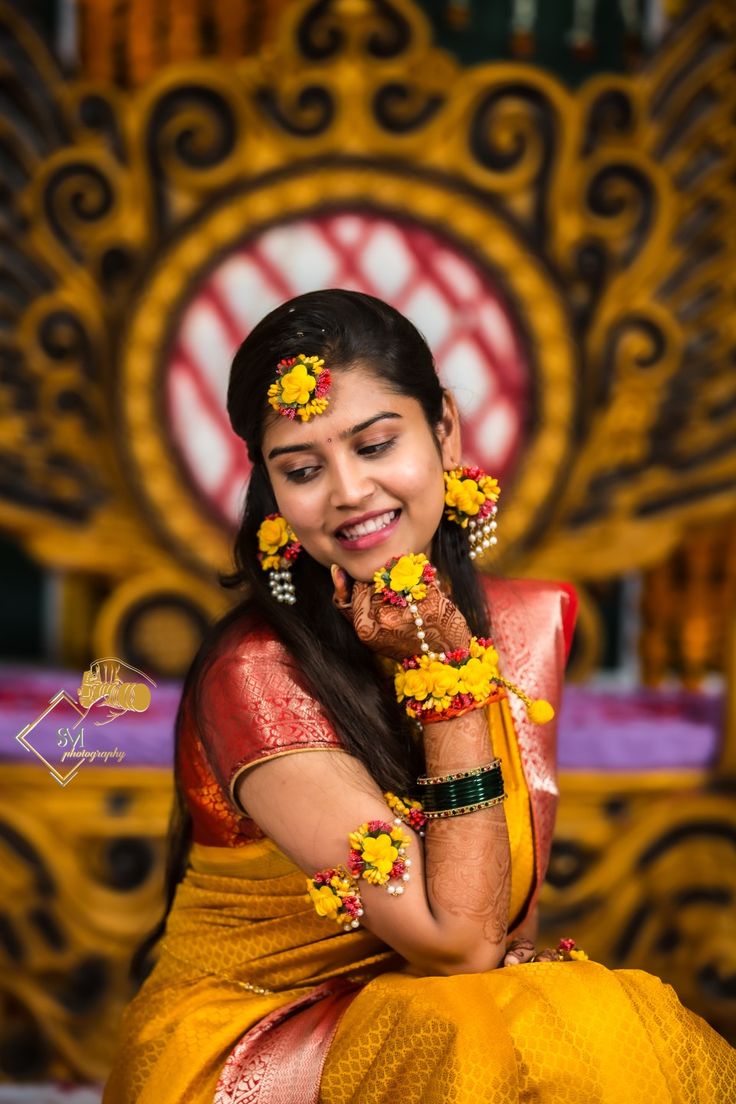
column 467, row 859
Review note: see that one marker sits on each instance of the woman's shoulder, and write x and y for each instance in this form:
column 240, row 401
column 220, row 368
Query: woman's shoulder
column 248, row 653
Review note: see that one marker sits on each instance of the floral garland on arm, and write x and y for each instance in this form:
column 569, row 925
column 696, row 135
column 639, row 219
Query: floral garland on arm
column 377, row 854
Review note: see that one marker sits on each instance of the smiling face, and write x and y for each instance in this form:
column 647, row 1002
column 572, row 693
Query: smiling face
column 362, row 482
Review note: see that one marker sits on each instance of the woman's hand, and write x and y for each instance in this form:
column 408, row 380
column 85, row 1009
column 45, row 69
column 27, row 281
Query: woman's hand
column 391, row 630
column 520, row 951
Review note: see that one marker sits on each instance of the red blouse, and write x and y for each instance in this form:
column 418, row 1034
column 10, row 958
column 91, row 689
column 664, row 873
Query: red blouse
column 251, row 705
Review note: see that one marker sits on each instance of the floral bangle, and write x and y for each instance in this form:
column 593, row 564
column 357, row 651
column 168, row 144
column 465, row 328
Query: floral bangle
column 378, row 855
column 404, row 579
column 435, row 688
column 439, row 686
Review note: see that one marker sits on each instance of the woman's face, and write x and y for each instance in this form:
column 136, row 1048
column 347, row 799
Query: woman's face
column 362, row 482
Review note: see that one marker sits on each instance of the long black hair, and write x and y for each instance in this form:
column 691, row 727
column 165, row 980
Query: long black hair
column 346, row 328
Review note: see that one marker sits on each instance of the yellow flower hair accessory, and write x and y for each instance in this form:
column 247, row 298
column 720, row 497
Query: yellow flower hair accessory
column 300, row 387
column 470, row 501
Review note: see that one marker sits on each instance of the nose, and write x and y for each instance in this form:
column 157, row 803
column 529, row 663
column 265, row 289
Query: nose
column 350, row 484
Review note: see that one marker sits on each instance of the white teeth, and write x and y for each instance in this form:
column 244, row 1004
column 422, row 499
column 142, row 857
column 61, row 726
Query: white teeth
column 372, row 525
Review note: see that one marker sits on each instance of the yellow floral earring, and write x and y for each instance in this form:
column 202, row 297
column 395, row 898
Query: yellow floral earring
column 470, row 501
column 278, row 547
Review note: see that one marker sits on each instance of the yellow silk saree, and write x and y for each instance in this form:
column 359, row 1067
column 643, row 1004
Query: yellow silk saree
column 243, row 941
column 256, row 1000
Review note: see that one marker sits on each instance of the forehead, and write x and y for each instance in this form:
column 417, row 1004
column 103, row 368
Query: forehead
column 356, row 394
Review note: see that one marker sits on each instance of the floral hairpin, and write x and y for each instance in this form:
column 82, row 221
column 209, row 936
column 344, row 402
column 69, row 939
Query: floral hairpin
column 300, row 387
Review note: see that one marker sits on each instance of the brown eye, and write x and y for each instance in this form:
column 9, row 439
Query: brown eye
column 301, row 475
column 378, row 448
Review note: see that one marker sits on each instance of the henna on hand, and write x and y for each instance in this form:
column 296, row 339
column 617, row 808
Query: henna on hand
column 391, row 631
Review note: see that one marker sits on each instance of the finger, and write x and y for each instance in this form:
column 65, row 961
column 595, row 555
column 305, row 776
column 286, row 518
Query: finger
column 341, row 583
column 547, row 955
column 521, row 950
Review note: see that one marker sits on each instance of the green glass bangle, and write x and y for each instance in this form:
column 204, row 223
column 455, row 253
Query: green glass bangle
column 462, row 792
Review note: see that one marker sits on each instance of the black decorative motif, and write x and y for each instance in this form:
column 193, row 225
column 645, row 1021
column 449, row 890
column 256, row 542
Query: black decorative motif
column 63, row 337
column 44, row 883
column 611, row 115
column 613, row 191
column 83, row 987
column 569, row 860
column 25, row 1052
column 306, row 116
column 78, row 192
column 715, row 984
column 502, row 143
column 392, row 35
column 128, row 862
column 691, row 830
column 630, row 931
column 98, row 114
column 400, row 109
column 42, row 919
column 318, row 36
column 191, row 127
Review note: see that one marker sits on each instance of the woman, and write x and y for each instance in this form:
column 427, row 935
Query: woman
column 350, row 674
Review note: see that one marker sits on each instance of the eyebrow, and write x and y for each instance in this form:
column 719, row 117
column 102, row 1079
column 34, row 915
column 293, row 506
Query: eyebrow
column 345, row 433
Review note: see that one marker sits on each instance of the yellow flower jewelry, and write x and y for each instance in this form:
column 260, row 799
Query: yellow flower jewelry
column 470, row 501
column 436, row 687
column 404, row 579
column 377, row 854
column 300, row 387
column 278, row 547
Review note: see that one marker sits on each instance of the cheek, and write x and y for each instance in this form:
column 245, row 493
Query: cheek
column 423, row 490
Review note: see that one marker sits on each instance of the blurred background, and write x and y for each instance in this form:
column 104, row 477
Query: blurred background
column 547, row 190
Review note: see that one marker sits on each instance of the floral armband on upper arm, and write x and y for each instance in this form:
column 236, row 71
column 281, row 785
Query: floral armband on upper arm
column 377, row 854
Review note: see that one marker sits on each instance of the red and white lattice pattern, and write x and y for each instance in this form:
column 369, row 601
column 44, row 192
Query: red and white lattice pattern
column 451, row 300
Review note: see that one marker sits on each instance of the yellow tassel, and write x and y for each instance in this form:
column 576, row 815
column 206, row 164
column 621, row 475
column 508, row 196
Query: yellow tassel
column 539, row 711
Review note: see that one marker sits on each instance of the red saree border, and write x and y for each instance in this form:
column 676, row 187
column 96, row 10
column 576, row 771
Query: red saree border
column 280, row 1060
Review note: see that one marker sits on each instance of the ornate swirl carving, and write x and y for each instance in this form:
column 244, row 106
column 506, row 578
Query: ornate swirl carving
column 96, row 113
column 622, row 193
column 192, row 129
column 662, row 898
column 611, row 115
column 638, row 339
column 194, row 125
column 318, row 36
column 77, row 196
column 393, row 34
column 306, row 115
column 384, row 32
column 63, row 338
column 511, row 133
column 402, row 108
